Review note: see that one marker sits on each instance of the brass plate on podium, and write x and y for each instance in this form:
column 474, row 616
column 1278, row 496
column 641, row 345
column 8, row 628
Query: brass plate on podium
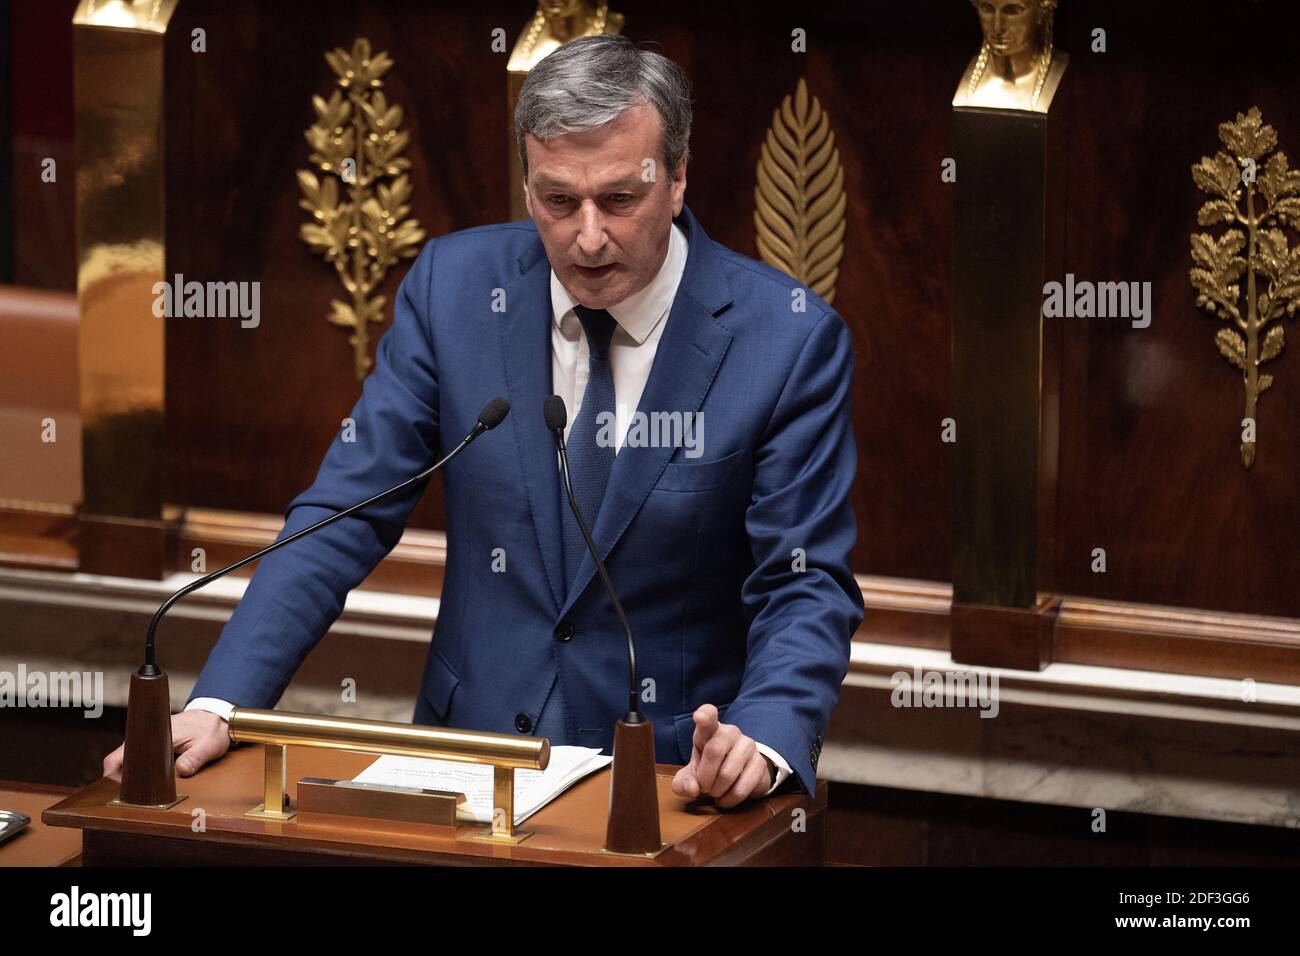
column 260, row 812
column 486, row 835
column 407, row 804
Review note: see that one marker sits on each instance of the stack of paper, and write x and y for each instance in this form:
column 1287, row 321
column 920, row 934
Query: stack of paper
column 534, row 789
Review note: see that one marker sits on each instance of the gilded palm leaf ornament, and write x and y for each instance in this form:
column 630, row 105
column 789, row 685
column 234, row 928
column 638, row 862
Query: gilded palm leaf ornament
column 799, row 200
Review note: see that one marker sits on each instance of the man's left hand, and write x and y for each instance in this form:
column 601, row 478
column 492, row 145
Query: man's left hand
column 725, row 764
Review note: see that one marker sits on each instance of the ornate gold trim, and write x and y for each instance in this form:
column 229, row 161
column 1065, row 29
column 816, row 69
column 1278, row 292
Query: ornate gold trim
column 356, row 142
column 1220, row 265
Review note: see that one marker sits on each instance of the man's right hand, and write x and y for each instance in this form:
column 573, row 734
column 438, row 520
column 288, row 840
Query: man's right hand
column 197, row 736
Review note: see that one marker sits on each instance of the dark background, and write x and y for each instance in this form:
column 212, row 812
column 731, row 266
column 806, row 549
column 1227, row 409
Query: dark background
column 1150, row 417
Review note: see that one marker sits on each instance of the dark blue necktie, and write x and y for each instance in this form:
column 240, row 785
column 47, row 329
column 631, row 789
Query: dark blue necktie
column 591, row 439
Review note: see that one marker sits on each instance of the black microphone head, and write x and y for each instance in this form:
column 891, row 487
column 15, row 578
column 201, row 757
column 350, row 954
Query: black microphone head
column 557, row 416
column 494, row 413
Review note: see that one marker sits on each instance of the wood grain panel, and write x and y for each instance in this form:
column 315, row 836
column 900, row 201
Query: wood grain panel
column 1148, row 468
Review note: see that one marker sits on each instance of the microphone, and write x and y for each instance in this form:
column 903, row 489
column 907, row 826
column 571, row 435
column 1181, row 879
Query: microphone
column 633, row 826
column 147, row 780
column 556, row 419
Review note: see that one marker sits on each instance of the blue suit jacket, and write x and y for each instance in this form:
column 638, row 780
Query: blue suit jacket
column 705, row 551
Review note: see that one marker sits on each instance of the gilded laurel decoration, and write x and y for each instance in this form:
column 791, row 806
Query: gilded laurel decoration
column 799, row 200
column 1261, row 196
column 356, row 147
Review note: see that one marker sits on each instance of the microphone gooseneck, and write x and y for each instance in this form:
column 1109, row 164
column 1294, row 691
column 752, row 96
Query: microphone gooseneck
column 492, row 415
column 556, row 416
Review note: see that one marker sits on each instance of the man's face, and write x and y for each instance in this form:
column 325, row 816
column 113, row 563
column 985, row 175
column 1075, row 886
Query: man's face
column 603, row 205
column 1008, row 25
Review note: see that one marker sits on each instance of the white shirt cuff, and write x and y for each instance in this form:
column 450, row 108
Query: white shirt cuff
column 212, row 705
column 782, row 768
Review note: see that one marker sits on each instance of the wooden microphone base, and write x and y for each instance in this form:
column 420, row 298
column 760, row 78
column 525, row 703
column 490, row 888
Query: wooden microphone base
column 633, row 795
column 148, row 762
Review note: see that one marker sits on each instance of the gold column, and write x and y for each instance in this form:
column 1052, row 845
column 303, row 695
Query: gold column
column 118, row 66
column 1008, row 233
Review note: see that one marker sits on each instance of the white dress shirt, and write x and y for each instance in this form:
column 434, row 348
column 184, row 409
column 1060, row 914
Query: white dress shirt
column 640, row 319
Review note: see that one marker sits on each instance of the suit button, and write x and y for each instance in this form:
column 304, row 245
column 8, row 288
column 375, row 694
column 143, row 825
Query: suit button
column 523, row 723
column 565, row 631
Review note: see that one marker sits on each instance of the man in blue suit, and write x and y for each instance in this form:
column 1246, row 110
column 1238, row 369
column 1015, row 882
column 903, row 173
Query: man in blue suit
column 710, row 443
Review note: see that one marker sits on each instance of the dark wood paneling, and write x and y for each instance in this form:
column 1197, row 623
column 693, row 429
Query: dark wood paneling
column 275, row 395
column 37, row 218
column 38, row 537
column 57, row 746
column 1149, row 468
column 1150, row 418
column 886, row 76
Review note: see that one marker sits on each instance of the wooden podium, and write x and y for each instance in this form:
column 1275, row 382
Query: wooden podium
column 784, row 830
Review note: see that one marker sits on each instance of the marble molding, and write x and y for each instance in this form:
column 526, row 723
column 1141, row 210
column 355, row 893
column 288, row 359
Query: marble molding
column 1075, row 736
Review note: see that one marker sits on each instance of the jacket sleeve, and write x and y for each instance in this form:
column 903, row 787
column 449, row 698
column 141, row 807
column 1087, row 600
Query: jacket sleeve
column 801, row 598
column 298, row 592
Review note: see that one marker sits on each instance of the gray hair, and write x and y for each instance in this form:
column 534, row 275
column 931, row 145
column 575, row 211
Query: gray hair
column 588, row 82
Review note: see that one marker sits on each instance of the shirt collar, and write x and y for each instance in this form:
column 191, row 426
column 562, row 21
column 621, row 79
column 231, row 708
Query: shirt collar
column 639, row 313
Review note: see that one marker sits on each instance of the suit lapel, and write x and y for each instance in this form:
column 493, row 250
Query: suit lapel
column 687, row 359
column 526, row 347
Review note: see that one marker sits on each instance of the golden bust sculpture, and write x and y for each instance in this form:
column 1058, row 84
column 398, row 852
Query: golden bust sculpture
column 1016, row 67
column 555, row 23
